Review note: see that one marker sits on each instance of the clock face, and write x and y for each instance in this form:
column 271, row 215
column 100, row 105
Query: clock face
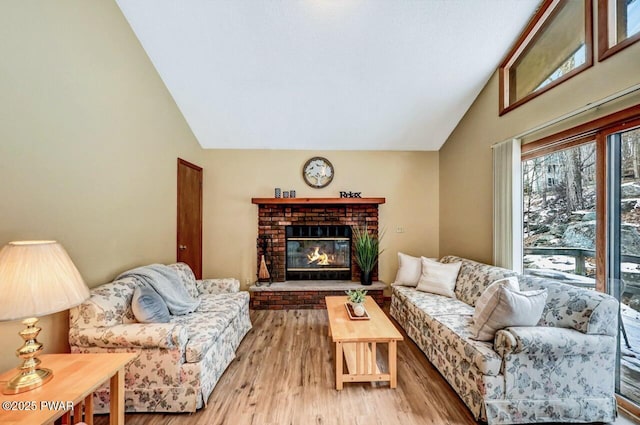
column 317, row 172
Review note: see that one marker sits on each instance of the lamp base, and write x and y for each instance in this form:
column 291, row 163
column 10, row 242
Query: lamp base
column 27, row 381
column 30, row 376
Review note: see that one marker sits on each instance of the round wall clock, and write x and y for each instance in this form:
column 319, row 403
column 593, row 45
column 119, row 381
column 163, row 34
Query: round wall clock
column 317, row 172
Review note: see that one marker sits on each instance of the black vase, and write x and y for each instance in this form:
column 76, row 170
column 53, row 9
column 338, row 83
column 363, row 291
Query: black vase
column 366, row 278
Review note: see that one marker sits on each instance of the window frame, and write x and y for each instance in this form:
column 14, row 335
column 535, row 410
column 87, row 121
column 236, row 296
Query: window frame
column 562, row 141
column 613, row 254
column 604, row 22
column 597, row 130
column 532, row 32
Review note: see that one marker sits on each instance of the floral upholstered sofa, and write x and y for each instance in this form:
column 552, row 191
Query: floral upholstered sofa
column 179, row 362
column 561, row 370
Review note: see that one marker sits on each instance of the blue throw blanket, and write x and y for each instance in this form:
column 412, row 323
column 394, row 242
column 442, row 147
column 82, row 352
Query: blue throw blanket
column 167, row 283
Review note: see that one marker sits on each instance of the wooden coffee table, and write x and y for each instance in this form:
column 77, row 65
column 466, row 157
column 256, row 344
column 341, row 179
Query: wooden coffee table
column 355, row 342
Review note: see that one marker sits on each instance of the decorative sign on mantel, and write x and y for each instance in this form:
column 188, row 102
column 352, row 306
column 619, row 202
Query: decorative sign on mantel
column 351, row 194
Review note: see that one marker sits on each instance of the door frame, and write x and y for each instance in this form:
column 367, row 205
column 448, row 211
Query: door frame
column 198, row 273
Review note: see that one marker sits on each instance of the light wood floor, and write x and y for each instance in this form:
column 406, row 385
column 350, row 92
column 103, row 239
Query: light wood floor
column 284, row 375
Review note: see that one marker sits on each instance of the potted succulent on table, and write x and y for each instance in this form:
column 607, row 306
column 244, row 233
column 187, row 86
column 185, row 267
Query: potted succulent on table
column 356, row 299
column 366, row 248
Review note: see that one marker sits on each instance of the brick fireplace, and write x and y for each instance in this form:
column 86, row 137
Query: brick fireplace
column 320, row 216
column 274, row 215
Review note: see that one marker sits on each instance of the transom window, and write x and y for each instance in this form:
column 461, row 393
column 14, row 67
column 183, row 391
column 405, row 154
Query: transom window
column 555, row 46
column 618, row 25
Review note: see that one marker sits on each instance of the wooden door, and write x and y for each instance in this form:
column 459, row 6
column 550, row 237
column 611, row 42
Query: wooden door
column 189, row 239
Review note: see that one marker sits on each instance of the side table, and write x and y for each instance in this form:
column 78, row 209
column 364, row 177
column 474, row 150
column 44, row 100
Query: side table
column 75, row 378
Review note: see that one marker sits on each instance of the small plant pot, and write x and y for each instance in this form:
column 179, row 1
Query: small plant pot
column 358, row 309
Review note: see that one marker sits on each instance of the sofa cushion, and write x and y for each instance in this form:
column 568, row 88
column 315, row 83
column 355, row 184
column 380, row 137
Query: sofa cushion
column 432, row 304
column 438, row 278
column 206, row 324
column 148, row 306
column 215, row 302
column 474, row 278
column 409, row 270
column 187, row 278
column 451, row 335
column 448, row 324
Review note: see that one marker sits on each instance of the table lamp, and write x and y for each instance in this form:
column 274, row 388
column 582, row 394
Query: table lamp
column 36, row 278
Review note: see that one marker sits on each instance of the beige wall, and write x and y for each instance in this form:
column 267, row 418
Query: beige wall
column 89, row 137
column 408, row 181
column 466, row 163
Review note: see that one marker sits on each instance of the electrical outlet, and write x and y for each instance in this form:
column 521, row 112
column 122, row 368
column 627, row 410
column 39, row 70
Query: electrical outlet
column 248, row 281
column 399, row 229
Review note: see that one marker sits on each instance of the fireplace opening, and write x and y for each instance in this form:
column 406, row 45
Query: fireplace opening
column 318, row 252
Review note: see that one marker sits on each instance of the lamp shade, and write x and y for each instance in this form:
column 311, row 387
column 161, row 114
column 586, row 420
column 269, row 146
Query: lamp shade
column 38, row 278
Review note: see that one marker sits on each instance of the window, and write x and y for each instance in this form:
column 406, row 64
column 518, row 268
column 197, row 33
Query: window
column 585, row 229
column 618, row 25
column 559, row 217
column 554, row 47
column 624, row 250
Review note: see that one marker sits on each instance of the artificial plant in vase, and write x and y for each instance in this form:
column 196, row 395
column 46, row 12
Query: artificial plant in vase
column 356, row 298
column 366, row 248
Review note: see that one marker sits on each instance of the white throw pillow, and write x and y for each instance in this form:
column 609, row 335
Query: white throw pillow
column 506, row 307
column 438, row 278
column 409, row 269
column 487, row 297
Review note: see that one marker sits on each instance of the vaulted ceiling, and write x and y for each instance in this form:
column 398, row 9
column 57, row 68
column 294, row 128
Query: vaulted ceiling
column 325, row 74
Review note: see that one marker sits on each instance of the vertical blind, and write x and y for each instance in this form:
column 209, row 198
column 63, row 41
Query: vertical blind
column 507, row 205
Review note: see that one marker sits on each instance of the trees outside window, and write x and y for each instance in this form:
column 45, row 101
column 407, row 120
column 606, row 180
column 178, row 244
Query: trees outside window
column 559, row 212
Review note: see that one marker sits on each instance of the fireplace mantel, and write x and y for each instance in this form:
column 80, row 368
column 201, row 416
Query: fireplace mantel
column 318, row 201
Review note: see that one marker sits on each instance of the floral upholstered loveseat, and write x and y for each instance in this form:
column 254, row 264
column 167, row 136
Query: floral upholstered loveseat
column 178, row 363
column 561, row 370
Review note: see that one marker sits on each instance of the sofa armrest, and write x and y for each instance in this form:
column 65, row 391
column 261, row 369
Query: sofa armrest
column 218, row 286
column 551, row 342
column 132, row 335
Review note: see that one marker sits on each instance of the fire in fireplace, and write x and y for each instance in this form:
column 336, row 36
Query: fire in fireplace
column 318, row 252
